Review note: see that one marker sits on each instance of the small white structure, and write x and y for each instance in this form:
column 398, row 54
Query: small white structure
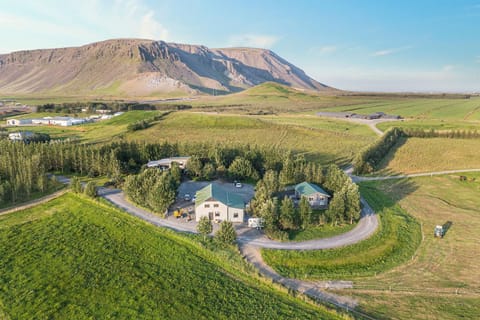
column 103, row 111
column 218, row 204
column 166, row 163
column 116, row 114
column 20, row 136
column 256, row 223
column 18, row 122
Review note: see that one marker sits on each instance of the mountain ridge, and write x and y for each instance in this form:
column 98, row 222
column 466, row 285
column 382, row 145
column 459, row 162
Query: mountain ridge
column 141, row 67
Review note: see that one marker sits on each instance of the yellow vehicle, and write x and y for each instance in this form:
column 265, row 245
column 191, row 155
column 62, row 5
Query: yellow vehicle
column 177, row 213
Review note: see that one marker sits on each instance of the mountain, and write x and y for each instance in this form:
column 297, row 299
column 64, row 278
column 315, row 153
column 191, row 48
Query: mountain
column 134, row 67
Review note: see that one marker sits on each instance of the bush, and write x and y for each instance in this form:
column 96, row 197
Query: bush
column 226, row 234
column 91, row 189
column 205, row 227
column 75, row 185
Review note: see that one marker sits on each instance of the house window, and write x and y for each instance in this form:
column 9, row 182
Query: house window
column 217, row 214
column 215, row 205
column 322, row 198
column 207, row 205
column 311, row 198
column 235, row 215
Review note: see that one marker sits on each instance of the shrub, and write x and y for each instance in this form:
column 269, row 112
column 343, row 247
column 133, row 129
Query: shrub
column 226, row 234
column 91, row 189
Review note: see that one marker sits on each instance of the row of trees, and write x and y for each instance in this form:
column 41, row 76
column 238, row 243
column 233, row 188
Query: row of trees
column 370, row 157
column 280, row 216
column 452, row 134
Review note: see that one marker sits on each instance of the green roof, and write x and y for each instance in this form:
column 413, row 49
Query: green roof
column 307, row 188
column 215, row 192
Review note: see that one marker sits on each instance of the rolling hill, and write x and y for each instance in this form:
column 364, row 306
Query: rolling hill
column 135, row 67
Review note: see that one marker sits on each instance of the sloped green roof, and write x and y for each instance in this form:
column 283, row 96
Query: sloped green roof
column 307, row 188
column 215, row 192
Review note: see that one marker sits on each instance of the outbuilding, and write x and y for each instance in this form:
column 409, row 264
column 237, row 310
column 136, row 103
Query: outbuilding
column 18, row 122
column 316, row 196
column 166, row 163
column 218, row 204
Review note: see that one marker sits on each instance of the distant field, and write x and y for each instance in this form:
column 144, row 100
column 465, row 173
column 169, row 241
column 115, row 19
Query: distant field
column 425, row 287
column 72, row 258
column 416, row 155
column 335, row 143
column 447, row 109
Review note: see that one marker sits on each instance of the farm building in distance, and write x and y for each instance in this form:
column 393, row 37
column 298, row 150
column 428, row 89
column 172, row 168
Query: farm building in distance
column 316, row 196
column 218, row 204
column 18, row 122
column 167, row 163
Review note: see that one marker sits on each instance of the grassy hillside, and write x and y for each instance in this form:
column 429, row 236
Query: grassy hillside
column 416, row 155
column 441, row 282
column 319, row 140
column 73, row 258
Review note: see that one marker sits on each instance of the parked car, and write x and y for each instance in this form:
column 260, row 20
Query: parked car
column 187, row 197
column 238, row 185
column 438, row 231
column 194, row 198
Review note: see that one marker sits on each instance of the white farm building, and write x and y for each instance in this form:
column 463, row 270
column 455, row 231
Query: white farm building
column 218, row 204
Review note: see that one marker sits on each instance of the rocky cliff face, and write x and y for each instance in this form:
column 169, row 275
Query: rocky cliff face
column 133, row 67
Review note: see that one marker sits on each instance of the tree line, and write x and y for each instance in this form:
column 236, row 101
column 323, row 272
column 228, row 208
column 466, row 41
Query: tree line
column 368, row 159
column 452, row 134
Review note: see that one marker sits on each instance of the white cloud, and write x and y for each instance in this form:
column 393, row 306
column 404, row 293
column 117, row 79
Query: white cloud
column 47, row 24
column 387, row 52
column 448, row 68
column 151, row 28
column 326, row 49
column 253, row 40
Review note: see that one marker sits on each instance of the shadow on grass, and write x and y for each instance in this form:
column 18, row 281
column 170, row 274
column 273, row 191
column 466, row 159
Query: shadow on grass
column 446, row 226
column 390, row 155
column 393, row 191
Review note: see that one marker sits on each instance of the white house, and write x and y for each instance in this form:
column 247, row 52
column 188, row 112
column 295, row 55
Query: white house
column 316, row 196
column 20, row 136
column 17, row 122
column 218, row 204
column 166, row 163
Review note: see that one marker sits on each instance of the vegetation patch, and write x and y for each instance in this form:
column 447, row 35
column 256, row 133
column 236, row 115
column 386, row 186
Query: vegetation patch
column 394, row 243
column 74, row 258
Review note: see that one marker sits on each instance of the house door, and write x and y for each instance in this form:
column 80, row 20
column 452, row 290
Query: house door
column 210, row 215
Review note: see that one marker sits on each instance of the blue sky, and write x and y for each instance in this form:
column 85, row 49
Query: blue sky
column 385, row 45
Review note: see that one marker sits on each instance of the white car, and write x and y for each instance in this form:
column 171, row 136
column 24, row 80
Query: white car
column 238, row 185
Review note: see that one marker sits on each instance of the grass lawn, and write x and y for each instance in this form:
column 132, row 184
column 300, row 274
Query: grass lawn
column 425, row 288
column 322, row 145
column 394, row 243
column 52, row 187
column 74, row 258
column 318, row 232
column 415, row 155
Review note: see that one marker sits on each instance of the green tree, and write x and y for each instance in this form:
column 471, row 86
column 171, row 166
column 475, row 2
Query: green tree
column 242, row 168
column 208, row 171
column 271, row 181
column 205, row 227
column 226, row 233
column 352, row 202
column 75, row 185
column 288, row 217
column 305, row 212
column 336, row 209
column 91, row 189
column 195, row 166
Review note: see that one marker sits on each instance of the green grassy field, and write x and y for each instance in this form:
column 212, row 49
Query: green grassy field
column 322, row 145
column 441, row 282
column 318, row 232
column 394, row 243
column 415, row 155
column 73, row 258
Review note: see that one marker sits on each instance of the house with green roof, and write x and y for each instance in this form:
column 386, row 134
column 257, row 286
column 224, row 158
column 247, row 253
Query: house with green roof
column 316, row 196
column 216, row 203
